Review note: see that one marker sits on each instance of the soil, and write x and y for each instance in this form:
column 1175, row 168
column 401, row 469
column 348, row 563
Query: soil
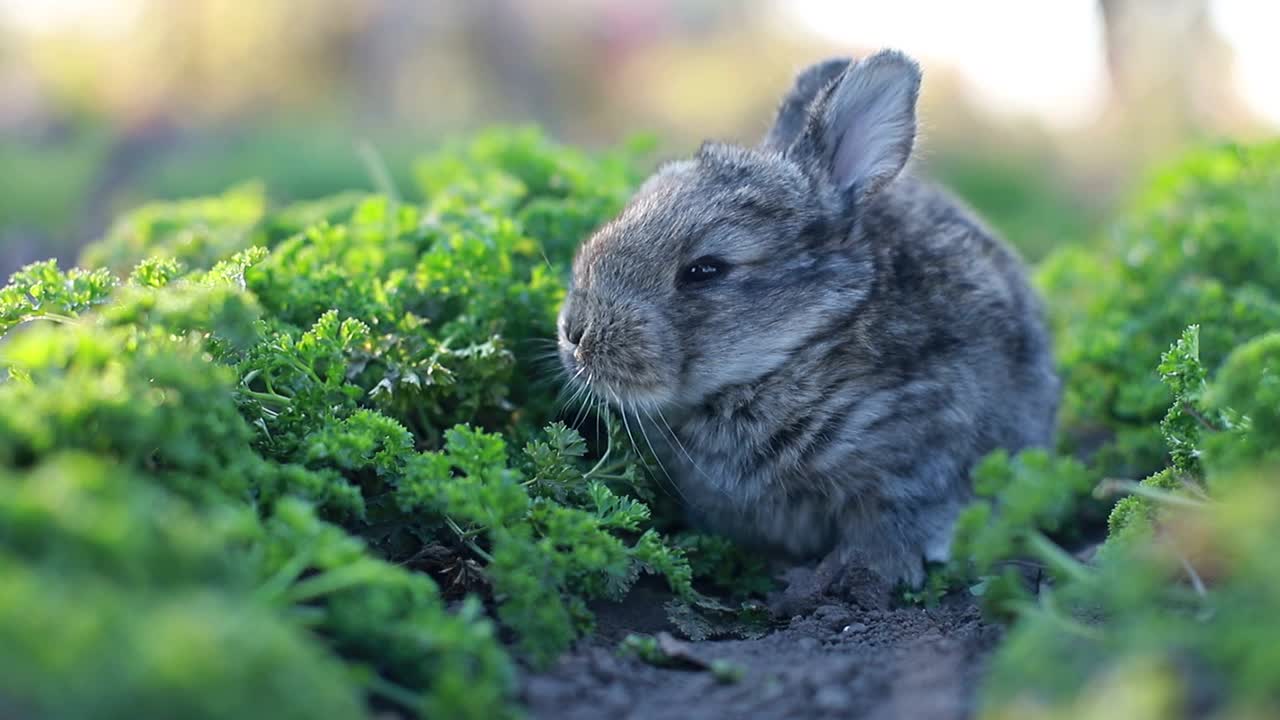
column 837, row 661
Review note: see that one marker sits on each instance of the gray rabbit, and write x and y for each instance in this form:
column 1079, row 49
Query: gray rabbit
column 819, row 345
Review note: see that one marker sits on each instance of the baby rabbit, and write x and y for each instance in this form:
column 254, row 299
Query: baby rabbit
column 819, row 345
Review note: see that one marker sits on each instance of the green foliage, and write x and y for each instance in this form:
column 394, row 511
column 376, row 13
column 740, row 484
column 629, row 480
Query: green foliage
column 1025, row 496
column 122, row 599
column 725, row 567
column 938, row 580
column 644, row 647
column 1172, row 617
column 181, row 652
column 198, row 232
column 1182, row 372
column 296, row 464
column 666, row 652
column 42, row 292
column 1246, row 391
column 1199, row 249
column 279, row 462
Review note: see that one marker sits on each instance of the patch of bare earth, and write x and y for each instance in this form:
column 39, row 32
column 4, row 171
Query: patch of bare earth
column 838, row 661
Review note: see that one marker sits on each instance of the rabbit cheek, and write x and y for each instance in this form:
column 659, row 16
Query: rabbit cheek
column 623, row 353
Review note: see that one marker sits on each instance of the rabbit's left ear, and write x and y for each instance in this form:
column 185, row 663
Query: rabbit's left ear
column 793, row 111
column 860, row 130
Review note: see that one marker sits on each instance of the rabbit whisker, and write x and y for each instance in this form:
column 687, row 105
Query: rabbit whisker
column 584, row 403
column 573, row 392
column 598, row 412
column 625, row 425
column 656, row 457
column 693, row 463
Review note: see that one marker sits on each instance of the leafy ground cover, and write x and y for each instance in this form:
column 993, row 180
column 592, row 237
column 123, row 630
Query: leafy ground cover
column 1168, row 338
column 312, row 461
column 308, row 438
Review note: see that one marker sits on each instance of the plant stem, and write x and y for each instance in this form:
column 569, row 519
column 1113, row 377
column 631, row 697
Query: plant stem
column 1196, row 582
column 305, row 370
column 307, row 617
column 378, row 173
column 55, row 317
column 608, row 433
column 328, row 582
column 465, row 537
column 279, row 582
column 268, row 398
column 396, row 693
column 1112, row 486
column 609, row 476
column 1189, row 409
column 1056, row 557
column 1067, row 624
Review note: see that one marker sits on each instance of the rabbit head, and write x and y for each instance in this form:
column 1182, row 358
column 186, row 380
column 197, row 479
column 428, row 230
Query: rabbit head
column 723, row 264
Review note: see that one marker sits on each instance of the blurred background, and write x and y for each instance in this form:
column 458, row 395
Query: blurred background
column 1040, row 114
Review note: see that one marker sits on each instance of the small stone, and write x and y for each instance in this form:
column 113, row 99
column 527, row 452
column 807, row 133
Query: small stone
column 616, row 695
column 772, row 688
column 832, row 617
column 855, row 629
column 542, row 689
column 832, row 698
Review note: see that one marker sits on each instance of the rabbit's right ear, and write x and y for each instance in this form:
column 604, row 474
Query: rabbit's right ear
column 860, row 131
column 794, row 109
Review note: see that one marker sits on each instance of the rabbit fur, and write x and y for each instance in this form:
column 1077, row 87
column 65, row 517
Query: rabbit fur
column 818, row 344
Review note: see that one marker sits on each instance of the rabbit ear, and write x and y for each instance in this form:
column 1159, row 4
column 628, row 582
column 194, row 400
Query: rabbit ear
column 860, row 130
column 794, row 109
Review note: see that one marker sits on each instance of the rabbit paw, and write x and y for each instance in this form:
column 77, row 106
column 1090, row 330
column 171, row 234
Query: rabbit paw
column 801, row 595
column 806, row 587
column 835, row 578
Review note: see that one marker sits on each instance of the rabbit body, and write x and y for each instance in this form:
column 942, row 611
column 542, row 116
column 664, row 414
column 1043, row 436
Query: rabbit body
column 818, row 345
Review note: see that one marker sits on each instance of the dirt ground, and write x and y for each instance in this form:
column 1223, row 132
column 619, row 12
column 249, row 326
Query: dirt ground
column 838, row 661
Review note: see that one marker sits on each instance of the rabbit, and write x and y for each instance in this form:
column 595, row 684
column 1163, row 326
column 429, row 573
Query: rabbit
column 818, row 345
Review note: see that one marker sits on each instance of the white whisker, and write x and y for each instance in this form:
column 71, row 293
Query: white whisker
column 652, row 449
column 572, row 391
column 598, row 412
column 622, row 411
column 693, row 463
column 584, row 404
column 625, row 425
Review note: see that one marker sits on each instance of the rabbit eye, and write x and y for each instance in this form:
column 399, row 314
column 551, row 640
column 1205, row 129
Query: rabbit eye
column 703, row 269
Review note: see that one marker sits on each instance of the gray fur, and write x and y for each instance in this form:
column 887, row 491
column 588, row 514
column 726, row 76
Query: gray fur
column 869, row 341
column 793, row 111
